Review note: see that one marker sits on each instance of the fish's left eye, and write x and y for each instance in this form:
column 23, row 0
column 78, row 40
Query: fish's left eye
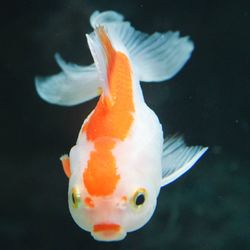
column 139, row 198
column 75, row 198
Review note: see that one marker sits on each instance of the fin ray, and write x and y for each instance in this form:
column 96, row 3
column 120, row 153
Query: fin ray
column 155, row 57
column 177, row 158
column 74, row 85
column 98, row 18
column 104, row 54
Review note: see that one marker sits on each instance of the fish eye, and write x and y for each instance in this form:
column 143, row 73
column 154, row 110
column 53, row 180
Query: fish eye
column 75, row 198
column 139, row 198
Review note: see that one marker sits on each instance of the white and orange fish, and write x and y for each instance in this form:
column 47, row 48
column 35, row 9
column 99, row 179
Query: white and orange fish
column 120, row 160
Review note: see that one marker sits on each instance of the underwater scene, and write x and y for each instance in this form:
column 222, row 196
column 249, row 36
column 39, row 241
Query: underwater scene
column 125, row 125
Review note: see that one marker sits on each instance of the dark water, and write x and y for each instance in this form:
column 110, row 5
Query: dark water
column 208, row 101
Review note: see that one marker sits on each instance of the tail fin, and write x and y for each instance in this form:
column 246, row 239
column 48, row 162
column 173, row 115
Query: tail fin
column 74, row 85
column 155, row 57
column 97, row 18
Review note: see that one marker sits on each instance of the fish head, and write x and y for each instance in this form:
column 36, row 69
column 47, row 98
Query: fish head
column 111, row 217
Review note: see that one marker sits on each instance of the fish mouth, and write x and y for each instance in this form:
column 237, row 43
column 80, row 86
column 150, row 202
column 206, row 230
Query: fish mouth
column 108, row 232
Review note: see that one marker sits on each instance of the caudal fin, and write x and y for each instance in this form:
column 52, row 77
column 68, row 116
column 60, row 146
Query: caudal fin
column 155, row 57
column 74, row 85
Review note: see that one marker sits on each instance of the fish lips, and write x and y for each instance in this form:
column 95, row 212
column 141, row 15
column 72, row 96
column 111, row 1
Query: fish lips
column 108, row 232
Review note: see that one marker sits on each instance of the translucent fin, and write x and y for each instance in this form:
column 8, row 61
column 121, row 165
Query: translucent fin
column 178, row 158
column 66, row 165
column 160, row 56
column 99, row 18
column 155, row 57
column 74, row 85
column 102, row 51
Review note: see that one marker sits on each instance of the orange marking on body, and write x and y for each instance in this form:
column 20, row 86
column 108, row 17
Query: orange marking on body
column 106, row 227
column 106, row 43
column 113, row 117
column 84, row 128
column 100, row 177
column 66, row 165
column 89, row 202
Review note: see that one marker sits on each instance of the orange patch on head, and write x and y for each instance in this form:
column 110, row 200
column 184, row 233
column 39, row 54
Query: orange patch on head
column 100, row 177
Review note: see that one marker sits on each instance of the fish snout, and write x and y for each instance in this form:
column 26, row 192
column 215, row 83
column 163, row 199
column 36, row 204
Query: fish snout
column 108, row 232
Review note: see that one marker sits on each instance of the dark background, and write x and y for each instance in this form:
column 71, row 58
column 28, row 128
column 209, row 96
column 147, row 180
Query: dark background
column 208, row 101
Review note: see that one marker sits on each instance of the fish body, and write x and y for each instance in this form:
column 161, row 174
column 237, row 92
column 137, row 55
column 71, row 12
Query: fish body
column 120, row 160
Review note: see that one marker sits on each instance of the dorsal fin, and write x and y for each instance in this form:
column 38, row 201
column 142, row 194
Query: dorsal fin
column 117, row 102
column 106, row 44
column 103, row 53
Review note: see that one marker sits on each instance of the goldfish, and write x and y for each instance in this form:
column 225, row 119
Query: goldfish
column 120, row 160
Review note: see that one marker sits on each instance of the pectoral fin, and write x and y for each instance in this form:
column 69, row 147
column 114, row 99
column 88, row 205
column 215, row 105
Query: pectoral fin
column 177, row 158
column 66, row 165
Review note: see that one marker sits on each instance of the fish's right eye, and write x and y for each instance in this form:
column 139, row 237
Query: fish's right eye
column 75, row 198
